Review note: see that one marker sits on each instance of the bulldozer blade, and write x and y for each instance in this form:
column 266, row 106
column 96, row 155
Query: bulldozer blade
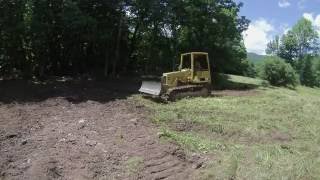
column 151, row 87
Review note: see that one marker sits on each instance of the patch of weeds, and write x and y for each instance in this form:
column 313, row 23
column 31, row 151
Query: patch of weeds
column 193, row 141
column 217, row 129
column 226, row 166
column 134, row 165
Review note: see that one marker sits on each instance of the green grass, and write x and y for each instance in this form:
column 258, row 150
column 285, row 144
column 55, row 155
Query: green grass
column 233, row 82
column 274, row 134
column 134, row 165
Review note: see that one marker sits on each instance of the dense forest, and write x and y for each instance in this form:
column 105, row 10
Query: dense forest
column 42, row 38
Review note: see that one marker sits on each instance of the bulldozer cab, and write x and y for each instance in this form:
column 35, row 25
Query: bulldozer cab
column 198, row 64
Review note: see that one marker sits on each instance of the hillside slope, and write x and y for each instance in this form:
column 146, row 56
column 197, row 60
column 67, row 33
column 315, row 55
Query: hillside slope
column 255, row 58
column 273, row 133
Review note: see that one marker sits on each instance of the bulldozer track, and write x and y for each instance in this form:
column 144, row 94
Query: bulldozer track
column 187, row 91
column 165, row 166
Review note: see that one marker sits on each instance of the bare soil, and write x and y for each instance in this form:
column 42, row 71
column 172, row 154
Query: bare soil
column 83, row 130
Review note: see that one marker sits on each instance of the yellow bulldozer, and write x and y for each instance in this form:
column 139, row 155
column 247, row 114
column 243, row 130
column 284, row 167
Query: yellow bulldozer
column 191, row 80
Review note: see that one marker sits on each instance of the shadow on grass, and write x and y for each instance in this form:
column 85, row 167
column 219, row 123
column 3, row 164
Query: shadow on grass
column 224, row 82
column 73, row 90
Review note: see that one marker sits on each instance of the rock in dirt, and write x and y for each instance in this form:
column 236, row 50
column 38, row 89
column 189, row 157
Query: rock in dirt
column 134, row 121
column 24, row 142
column 11, row 135
column 24, row 165
column 91, row 143
column 82, row 121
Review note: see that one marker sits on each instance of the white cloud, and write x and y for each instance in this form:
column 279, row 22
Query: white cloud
column 284, row 3
column 315, row 19
column 258, row 35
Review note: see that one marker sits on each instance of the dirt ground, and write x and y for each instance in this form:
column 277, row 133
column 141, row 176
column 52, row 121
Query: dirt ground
column 83, row 130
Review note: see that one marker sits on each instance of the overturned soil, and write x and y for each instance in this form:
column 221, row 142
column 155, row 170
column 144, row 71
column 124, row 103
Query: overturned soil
column 83, row 130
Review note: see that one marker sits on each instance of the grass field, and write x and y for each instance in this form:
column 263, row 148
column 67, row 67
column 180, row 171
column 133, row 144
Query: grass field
column 273, row 133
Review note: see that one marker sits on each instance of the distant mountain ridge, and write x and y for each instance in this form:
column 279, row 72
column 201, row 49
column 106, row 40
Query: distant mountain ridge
column 255, row 58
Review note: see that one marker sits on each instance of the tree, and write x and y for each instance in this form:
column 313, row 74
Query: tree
column 12, row 33
column 249, row 69
column 298, row 47
column 306, row 37
column 307, row 72
column 216, row 28
column 317, row 71
column 273, row 47
column 278, row 72
column 98, row 37
column 298, row 42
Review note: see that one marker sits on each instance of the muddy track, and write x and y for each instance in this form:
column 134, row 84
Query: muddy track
column 58, row 139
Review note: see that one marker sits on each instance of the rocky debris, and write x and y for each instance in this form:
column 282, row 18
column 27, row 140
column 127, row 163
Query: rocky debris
column 81, row 121
column 11, row 135
column 24, row 142
column 91, row 143
column 134, row 121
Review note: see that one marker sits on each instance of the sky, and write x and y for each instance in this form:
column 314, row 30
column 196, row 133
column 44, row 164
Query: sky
column 275, row 17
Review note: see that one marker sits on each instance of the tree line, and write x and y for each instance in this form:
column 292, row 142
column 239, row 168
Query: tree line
column 40, row 38
column 299, row 48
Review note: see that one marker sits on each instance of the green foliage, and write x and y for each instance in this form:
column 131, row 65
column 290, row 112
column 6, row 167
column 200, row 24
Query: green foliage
column 134, row 165
column 72, row 37
column 300, row 41
column 306, row 36
column 298, row 47
column 307, row 71
column 278, row 72
column 12, row 31
column 273, row 46
column 317, row 71
column 288, row 48
column 249, row 69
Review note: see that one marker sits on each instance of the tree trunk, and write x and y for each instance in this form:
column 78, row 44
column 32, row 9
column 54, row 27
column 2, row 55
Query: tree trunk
column 106, row 65
column 132, row 48
column 117, row 53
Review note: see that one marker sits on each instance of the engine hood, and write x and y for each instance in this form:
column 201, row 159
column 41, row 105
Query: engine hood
column 177, row 72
